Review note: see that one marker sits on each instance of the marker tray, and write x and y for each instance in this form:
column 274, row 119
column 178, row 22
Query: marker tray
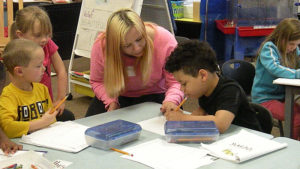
column 111, row 134
column 191, row 131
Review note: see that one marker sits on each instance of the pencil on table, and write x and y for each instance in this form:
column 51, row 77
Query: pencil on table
column 57, row 106
column 123, row 152
column 178, row 107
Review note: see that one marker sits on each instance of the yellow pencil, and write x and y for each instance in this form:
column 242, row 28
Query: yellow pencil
column 57, row 106
column 123, row 152
column 178, row 107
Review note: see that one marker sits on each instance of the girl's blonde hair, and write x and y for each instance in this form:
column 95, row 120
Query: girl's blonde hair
column 115, row 75
column 287, row 30
column 25, row 19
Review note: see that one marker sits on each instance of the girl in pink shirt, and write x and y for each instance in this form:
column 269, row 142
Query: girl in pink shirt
column 127, row 65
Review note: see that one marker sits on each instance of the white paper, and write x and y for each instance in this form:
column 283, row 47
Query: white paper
column 66, row 136
column 290, row 82
column 242, row 146
column 27, row 159
column 155, row 125
column 61, row 164
column 5, row 157
column 159, row 154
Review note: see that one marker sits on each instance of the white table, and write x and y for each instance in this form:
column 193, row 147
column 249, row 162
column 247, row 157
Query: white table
column 96, row 158
column 292, row 87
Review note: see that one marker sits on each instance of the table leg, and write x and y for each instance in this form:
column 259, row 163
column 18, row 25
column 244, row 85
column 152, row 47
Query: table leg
column 288, row 111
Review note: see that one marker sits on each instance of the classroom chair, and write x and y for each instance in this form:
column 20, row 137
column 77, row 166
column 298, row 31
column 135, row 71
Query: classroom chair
column 180, row 39
column 7, row 16
column 243, row 72
column 264, row 117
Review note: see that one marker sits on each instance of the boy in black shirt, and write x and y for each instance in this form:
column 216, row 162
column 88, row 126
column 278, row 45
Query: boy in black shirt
column 221, row 100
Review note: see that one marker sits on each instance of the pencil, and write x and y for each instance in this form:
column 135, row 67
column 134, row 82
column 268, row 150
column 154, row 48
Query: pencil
column 123, row 152
column 203, row 139
column 178, row 107
column 57, row 106
column 33, row 166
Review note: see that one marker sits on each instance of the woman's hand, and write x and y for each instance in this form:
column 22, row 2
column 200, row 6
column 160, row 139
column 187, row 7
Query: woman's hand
column 113, row 106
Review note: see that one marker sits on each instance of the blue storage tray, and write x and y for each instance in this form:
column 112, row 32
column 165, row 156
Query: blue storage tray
column 191, row 131
column 112, row 134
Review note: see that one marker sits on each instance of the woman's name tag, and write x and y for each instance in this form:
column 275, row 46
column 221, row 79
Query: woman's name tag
column 130, row 71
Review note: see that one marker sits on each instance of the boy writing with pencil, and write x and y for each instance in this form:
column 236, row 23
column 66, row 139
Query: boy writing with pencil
column 194, row 66
column 25, row 104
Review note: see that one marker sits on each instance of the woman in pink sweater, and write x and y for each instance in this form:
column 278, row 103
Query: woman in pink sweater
column 127, row 65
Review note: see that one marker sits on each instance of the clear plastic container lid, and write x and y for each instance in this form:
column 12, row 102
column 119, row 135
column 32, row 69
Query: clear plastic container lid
column 113, row 130
column 203, row 128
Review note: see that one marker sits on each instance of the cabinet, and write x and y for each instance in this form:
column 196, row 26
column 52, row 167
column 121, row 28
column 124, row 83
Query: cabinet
column 64, row 19
column 188, row 28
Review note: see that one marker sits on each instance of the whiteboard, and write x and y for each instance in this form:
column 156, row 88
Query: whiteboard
column 93, row 18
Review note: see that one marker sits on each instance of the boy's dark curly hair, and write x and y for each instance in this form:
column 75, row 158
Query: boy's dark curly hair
column 191, row 56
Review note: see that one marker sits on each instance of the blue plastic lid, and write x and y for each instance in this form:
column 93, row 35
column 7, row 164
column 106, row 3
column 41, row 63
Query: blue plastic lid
column 113, row 130
column 191, row 128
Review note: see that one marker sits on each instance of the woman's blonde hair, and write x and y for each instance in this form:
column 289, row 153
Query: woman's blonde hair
column 115, row 75
column 25, row 19
column 287, row 30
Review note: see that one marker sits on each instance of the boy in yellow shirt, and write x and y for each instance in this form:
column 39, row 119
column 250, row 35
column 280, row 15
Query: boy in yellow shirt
column 194, row 66
column 24, row 104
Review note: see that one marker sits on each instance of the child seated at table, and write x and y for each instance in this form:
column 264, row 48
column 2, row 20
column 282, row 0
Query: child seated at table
column 194, row 66
column 278, row 57
column 24, row 104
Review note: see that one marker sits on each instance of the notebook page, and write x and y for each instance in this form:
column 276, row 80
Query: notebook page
column 27, row 159
column 66, row 136
column 160, row 154
column 5, row 157
column 242, row 146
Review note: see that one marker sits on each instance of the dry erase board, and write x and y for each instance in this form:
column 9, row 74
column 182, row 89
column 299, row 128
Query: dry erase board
column 93, row 18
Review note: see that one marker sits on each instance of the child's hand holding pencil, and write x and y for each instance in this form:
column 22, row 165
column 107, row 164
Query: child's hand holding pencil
column 175, row 115
column 59, row 105
column 170, row 106
column 48, row 118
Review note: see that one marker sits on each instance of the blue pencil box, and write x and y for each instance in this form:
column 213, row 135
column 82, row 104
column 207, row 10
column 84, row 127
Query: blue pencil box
column 111, row 134
column 191, row 131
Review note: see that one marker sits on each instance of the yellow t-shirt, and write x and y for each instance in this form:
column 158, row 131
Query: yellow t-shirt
column 18, row 107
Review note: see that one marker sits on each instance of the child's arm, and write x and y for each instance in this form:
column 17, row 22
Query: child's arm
column 199, row 112
column 270, row 59
column 60, row 70
column 43, row 122
column 7, row 145
column 222, row 118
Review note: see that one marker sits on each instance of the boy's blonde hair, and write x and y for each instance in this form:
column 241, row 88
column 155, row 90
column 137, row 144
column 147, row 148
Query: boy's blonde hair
column 115, row 75
column 18, row 52
column 287, row 30
column 25, row 19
